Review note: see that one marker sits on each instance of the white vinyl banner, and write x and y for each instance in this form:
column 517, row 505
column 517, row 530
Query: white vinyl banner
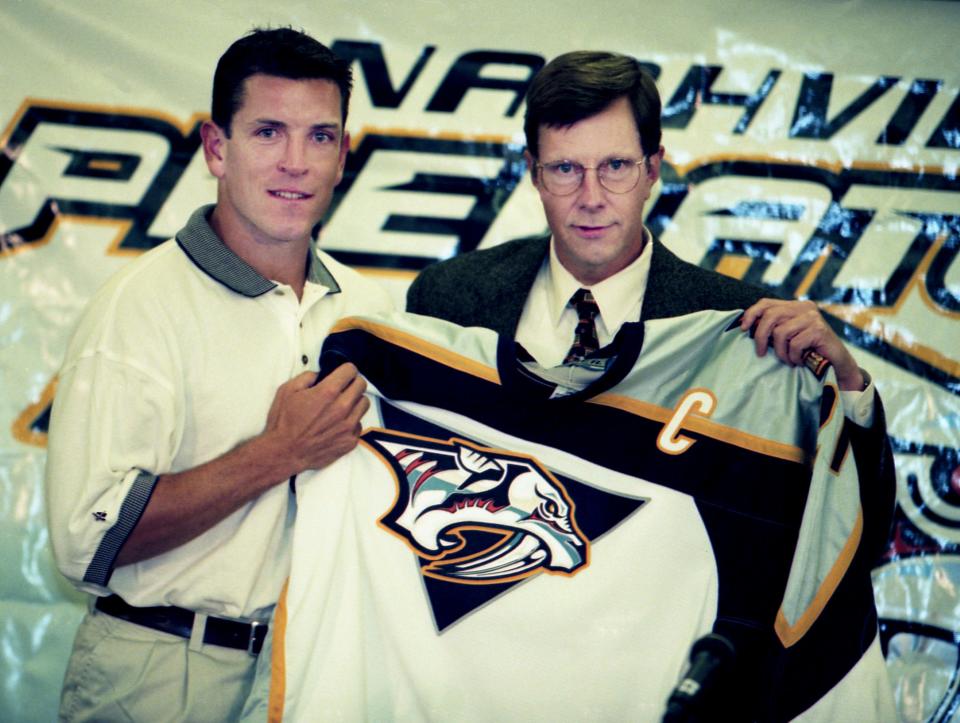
column 810, row 147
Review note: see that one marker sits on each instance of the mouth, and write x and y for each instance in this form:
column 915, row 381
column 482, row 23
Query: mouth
column 591, row 231
column 290, row 195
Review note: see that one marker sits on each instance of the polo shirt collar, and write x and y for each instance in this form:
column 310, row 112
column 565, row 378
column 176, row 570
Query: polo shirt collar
column 211, row 255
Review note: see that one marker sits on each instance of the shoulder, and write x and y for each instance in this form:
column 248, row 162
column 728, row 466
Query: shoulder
column 484, row 274
column 151, row 277
column 680, row 287
column 138, row 305
column 508, row 255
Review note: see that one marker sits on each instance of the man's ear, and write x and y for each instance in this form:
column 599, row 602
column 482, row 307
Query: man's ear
column 214, row 147
column 344, row 150
column 532, row 169
column 653, row 165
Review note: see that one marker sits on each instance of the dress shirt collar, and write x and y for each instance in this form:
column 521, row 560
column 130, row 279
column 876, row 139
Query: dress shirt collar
column 618, row 297
column 212, row 256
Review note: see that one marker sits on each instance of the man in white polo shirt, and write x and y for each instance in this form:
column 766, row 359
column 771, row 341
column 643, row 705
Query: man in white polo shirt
column 189, row 397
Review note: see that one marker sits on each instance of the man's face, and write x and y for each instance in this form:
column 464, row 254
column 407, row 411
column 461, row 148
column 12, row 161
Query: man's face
column 278, row 168
column 596, row 232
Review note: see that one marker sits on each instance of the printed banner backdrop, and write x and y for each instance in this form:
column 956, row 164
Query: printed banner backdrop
column 812, row 147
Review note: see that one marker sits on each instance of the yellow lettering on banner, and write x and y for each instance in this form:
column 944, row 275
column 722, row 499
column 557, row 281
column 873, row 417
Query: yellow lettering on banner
column 696, row 401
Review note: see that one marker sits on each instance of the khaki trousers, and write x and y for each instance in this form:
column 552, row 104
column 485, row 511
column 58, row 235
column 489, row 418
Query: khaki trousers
column 120, row 671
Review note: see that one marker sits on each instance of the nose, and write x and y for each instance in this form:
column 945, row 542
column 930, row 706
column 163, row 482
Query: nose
column 294, row 158
column 591, row 192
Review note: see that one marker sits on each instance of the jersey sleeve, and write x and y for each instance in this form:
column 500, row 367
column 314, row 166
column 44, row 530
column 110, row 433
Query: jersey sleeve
column 827, row 617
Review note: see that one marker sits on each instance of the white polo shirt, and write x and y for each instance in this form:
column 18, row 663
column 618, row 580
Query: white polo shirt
column 175, row 362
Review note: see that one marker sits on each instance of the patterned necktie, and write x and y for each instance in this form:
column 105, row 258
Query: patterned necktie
column 585, row 335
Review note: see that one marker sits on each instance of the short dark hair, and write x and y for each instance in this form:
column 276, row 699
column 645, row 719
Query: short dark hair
column 283, row 52
column 577, row 85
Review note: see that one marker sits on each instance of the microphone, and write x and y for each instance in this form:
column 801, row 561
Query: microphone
column 709, row 657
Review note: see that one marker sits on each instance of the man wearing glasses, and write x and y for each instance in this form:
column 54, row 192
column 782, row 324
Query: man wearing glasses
column 593, row 135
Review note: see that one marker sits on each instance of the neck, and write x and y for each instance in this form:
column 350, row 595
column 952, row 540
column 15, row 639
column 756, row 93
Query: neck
column 281, row 261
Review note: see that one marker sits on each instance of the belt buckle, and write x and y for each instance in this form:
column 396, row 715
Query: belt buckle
column 252, row 640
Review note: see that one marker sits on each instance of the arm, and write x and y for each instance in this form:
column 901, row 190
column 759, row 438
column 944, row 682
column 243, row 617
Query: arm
column 308, row 427
column 113, row 426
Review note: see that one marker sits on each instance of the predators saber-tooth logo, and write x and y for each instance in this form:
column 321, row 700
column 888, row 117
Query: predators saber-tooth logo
column 480, row 521
column 479, row 516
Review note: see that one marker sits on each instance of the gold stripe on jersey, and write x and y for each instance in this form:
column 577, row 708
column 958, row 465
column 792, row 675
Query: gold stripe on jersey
column 418, row 345
column 278, row 657
column 790, row 634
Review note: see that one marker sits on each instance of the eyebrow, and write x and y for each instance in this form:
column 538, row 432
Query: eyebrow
column 333, row 125
column 611, row 157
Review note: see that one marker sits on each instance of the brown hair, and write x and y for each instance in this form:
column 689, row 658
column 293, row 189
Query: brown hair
column 577, row 85
column 282, row 52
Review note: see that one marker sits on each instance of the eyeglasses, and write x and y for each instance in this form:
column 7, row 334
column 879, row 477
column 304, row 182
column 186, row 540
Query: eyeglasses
column 617, row 175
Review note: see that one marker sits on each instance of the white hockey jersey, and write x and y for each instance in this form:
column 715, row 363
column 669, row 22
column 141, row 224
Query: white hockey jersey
column 489, row 553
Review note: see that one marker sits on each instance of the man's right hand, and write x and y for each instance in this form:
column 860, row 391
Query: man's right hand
column 319, row 422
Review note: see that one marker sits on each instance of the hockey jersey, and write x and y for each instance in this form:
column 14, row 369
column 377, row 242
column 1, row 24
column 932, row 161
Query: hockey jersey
column 490, row 552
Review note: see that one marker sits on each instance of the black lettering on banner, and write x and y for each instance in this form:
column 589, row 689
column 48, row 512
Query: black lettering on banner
column 829, row 247
column 100, row 164
column 947, row 134
column 810, row 117
column 374, row 67
column 937, row 500
column 936, row 276
column 91, row 163
column 909, row 111
column 696, row 90
column 490, row 194
column 466, row 73
column 759, row 253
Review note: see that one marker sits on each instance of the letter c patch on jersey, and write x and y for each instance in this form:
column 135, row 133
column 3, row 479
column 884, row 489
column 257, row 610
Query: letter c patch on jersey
column 699, row 402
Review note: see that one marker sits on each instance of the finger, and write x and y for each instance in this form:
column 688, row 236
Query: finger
column 763, row 331
column 338, row 406
column 356, row 414
column 303, row 380
column 800, row 344
column 793, row 336
column 352, row 393
column 754, row 312
column 780, row 342
column 339, row 379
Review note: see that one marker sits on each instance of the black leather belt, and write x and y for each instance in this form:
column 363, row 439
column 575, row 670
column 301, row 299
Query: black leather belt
column 177, row 621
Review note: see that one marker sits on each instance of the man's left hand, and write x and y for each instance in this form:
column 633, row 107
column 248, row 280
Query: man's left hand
column 793, row 328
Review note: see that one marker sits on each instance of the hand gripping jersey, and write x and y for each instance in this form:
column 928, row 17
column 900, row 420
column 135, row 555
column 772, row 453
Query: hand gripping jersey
column 488, row 553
